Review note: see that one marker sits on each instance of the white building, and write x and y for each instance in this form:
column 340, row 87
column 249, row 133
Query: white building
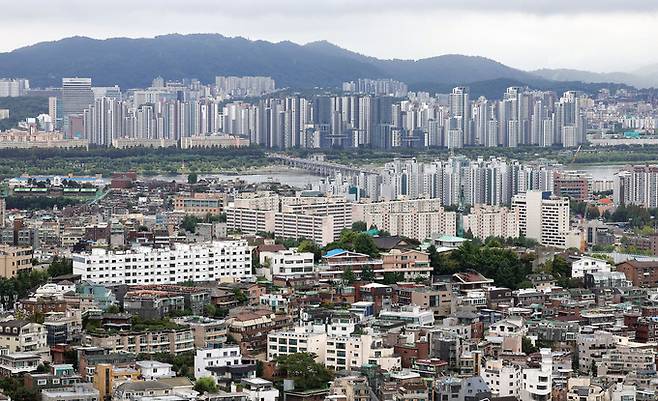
column 586, row 265
column 288, row 263
column 503, row 378
column 212, row 261
column 538, row 382
column 299, row 339
column 412, row 315
column 205, row 358
column 14, row 87
column 258, row 389
column 545, row 218
column 352, row 352
column 417, row 219
column 491, row 221
column 152, row 370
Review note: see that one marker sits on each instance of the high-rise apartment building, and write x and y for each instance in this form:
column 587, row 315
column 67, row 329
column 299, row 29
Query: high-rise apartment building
column 14, row 87
column 545, row 218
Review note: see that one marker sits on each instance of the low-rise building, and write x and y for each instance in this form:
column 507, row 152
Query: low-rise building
column 14, row 259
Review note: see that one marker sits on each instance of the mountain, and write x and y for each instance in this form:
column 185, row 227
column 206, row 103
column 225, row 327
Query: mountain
column 642, row 78
column 135, row 62
column 132, row 63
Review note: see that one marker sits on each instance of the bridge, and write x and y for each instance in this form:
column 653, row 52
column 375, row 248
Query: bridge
column 318, row 166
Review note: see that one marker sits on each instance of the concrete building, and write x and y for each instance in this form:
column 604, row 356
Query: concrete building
column 352, row 352
column 153, row 370
column 503, row 378
column 491, row 221
column 417, row 219
column 286, row 264
column 545, row 218
column 24, row 336
column 258, row 389
column 538, row 382
column 78, row 392
column 586, row 264
column 14, row 87
column 215, row 261
column 299, row 339
column 411, row 264
column 143, row 342
column 215, row 356
column 14, row 259
column 199, row 204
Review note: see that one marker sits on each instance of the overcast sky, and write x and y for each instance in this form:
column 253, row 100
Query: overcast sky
column 597, row 35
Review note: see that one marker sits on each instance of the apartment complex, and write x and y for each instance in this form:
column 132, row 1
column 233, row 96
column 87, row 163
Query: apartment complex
column 417, row 218
column 319, row 219
column 172, row 341
column 491, row 221
column 199, row 204
column 545, row 218
column 211, row 261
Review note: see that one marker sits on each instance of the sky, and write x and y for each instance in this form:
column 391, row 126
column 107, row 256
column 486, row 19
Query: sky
column 594, row 35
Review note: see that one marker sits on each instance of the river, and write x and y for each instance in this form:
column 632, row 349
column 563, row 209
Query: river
column 293, row 177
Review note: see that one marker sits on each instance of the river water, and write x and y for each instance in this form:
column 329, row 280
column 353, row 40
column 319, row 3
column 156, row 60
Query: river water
column 293, row 177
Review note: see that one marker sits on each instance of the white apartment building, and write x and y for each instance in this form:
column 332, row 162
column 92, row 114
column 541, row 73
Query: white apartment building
column 205, row 358
column 412, row 315
column 212, row 261
column 592, row 346
column 491, row 221
column 319, row 229
column 545, row 218
column 14, row 87
column 352, row 352
column 288, row 263
column 299, row 339
column 503, row 378
column 538, row 382
column 587, row 265
column 249, row 221
column 617, row 363
column 22, row 336
column 417, row 218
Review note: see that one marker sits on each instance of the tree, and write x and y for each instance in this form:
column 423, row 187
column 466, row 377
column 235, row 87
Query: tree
column 192, row 178
column 205, row 385
column 60, row 267
column 306, row 373
column 359, row 226
column 368, row 274
column 527, row 346
column 393, row 277
column 310, row 246
column 593, row 212
column 240, row 296
column 363, row 243
column 348, row 276
column 189, row 223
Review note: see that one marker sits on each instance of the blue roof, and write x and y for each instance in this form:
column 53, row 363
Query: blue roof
column 335, row 252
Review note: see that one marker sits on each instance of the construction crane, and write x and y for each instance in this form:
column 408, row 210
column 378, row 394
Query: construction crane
column 575, row 155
